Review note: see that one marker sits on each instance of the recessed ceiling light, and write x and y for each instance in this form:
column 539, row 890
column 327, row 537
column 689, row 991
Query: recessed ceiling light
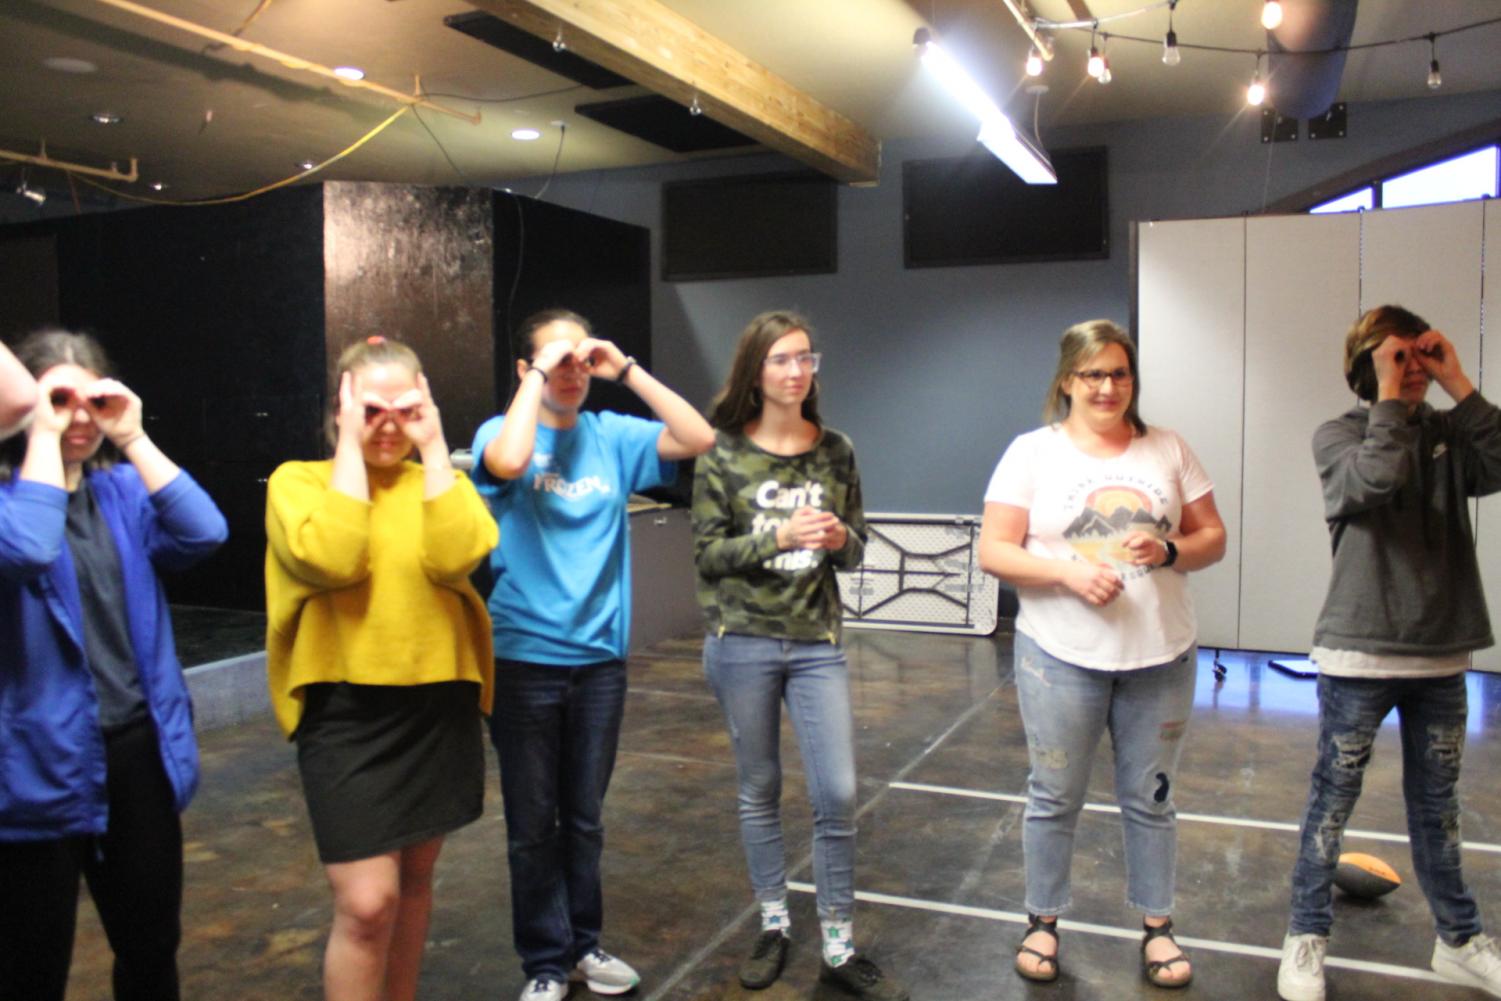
column 67, row 64
column 526, row 135
column 306, row 164
column 158, row 185
column 349, row 72
column 106, row 118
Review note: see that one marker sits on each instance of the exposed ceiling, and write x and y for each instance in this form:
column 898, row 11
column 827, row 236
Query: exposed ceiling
column 209, row 120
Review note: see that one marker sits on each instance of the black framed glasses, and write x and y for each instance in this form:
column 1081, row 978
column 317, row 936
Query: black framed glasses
column 1094, row 378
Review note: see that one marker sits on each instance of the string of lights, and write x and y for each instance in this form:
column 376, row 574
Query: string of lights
column 1098, row 64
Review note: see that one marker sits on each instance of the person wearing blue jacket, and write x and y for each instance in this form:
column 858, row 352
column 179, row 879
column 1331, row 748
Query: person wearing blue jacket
column 97, row 753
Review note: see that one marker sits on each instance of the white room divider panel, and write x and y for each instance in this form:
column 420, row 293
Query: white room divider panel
column 1488, row 521
column 1306, row 279
column 1302, row 294
column 1192, row 293
column 1428, row 259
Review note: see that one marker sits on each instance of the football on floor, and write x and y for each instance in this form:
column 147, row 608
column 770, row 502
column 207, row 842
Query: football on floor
column 1365, row 876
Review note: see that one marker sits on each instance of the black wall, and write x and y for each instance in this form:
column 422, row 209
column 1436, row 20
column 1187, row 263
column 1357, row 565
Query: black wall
column 223, row 319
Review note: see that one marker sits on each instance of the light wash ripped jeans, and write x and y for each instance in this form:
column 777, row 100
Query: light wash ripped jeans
column 751, row 676
column 1066, row 709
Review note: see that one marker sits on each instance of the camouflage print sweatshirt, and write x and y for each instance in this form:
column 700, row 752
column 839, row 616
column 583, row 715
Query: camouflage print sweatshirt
column 741, row 495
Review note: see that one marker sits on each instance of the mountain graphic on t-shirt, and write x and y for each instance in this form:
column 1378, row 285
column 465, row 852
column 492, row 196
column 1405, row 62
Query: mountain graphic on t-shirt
column 1092, row 524
column 1109, row 515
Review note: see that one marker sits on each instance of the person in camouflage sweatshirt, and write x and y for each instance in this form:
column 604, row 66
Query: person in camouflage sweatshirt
column 776, row 510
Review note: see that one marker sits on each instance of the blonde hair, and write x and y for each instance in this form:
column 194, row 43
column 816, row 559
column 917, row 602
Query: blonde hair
column 1080, row 343
column 375, row 350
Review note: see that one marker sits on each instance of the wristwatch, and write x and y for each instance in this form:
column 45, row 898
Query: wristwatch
column 1172, row 553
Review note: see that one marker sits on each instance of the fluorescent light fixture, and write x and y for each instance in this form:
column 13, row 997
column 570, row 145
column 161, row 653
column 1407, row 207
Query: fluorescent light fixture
column 526, row 135
column 105, row 118
column 997, row 134
column 1016, row 151
column 349, row 73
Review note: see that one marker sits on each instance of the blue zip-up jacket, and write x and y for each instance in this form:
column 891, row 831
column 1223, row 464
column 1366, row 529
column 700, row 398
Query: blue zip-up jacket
column 51, row 747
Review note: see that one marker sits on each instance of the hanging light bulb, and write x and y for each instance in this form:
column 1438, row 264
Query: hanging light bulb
column 1271, row 14
column 1256, row 92
column 1096, row 64
column 1104, row 74
column 1435, row 78
column 1170, row 54
column 1034, row 62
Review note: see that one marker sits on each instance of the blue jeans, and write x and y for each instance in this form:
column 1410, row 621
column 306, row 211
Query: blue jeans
column 751, row 676
column 556, row 730
column 1432, row 714
column 1065, row 709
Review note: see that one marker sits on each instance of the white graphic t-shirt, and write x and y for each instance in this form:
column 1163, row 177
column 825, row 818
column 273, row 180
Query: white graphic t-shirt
column 1081, row 508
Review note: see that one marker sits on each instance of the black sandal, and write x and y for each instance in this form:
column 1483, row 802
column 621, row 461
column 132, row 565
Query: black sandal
column 1152, row 968
column 1047, row 966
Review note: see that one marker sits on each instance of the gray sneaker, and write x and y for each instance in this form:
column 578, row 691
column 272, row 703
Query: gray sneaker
column 1301, row 975
column 544, row 988
column 603, row 973
column 762, row 967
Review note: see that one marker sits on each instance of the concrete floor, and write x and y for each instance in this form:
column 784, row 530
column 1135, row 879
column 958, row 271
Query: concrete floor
column 942, row 762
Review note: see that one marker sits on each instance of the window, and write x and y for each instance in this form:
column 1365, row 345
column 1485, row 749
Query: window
column 1355, row 201
column 1476, row 174
column 1472, row 175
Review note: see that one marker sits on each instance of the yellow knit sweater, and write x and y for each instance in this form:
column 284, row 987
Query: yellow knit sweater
column 377, row 592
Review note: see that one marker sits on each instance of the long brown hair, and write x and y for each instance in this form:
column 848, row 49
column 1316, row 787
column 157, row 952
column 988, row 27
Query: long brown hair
column 1080, row 343
column 47, row 348
column 739, row 402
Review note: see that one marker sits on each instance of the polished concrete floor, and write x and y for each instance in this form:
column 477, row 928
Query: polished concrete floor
column 942, row 763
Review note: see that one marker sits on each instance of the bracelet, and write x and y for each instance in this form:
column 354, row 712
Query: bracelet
column 532, row 368
column 1172, row 553
column 626, row 368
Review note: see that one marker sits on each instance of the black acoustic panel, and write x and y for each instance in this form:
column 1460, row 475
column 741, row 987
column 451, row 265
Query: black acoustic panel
column 973, row 210
column 548, row 256
column 664, row 122
column 493, row 31
column 738, row 226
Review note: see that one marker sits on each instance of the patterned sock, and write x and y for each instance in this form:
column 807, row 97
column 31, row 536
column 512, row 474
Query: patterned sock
column 774, row 916
column 838, row 942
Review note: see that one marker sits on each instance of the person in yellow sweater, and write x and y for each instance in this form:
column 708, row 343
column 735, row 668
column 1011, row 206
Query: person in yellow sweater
column 380, row 662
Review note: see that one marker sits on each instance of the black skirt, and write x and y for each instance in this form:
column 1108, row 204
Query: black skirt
column 387, row 766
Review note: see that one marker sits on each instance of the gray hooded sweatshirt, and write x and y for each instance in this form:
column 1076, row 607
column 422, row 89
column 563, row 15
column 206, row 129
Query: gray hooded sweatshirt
column 1396, row 489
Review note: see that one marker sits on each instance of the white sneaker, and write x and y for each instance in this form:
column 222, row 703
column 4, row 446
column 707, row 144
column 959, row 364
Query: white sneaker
column 1301, row 975
column 1477, row 963
column 606, row 974
column 544, row 988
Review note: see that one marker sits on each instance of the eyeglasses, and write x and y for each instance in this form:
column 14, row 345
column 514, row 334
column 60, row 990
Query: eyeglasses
column 1095, row 377
column 807, row 361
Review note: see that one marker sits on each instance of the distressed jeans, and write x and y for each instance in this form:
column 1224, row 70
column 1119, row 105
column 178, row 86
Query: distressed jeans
column 751, row 676
column 1066, row 709
column 1432, row 714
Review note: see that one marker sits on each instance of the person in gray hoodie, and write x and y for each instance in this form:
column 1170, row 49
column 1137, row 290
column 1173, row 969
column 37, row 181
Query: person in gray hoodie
column 1404, row 611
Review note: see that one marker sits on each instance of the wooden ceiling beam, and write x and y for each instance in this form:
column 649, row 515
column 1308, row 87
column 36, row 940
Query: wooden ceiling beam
column 650, row 44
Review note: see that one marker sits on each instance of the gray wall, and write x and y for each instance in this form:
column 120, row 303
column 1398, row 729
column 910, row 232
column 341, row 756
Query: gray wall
column 933, row 371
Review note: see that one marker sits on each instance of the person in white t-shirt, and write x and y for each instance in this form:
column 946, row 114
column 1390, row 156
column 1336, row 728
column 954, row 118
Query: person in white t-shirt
column 1095, row 519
